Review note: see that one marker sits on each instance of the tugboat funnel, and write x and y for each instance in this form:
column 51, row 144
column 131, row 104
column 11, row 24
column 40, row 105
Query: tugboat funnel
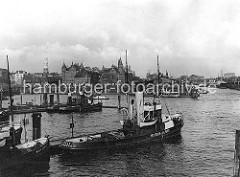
column 139, row 107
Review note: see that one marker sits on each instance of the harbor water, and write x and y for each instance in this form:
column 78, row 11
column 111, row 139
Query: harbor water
column 205, row 148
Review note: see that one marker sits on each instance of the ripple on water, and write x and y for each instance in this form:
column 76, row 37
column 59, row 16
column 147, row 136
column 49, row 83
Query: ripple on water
column 205, row 148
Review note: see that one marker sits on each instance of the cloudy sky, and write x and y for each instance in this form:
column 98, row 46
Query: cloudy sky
column 190, row 36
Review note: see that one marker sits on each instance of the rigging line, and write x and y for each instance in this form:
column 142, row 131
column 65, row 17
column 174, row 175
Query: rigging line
column 166, row 105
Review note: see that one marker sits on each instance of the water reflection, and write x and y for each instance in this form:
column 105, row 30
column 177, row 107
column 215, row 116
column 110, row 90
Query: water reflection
column 135, row 161
column 36, row 168
column 207, row 141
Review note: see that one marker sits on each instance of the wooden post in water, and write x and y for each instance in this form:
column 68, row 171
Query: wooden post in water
column 1, row 95
column 72, row 126
column 119, row 102
column 236, row 171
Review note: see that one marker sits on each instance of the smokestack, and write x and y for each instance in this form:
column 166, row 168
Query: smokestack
column 36, row 119
column 139, row 106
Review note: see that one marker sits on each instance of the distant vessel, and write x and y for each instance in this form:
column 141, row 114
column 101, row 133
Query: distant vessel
column 100, row 98
column 142, row 123
column 202, row 89
column 78, row 104
column 222, row 84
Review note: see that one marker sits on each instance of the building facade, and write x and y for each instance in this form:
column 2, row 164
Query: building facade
column 79, row 74
column 229, row 75
column 3, row 75
column 117, row 73
column 18, row 77
column 109, row 75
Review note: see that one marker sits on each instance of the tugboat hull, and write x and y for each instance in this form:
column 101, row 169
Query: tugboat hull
column 69, row 109
column 146, row 125
column 119, row 141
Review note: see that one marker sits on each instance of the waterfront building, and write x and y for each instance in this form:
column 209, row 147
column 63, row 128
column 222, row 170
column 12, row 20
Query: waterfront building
column 32, row 78
column 18, row 77
column 110, row 75
column 54, row 78
column 117, row 73
column 155, row 79
column 3, row 75
column 229, row 75
column 195, row 79
column 79, row 74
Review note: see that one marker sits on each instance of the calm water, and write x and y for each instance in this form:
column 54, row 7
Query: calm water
column 206, row 147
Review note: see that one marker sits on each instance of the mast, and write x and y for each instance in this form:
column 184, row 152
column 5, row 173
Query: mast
column 158, row 68
column 1, row 95
column 126, row 81
column 12, row 130
column 10, row 90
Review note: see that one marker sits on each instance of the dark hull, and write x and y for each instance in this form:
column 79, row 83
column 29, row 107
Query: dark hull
column 92, row 108
column 18, row 159
column 88, row 108
column 18, row 134
column 9, row 140
column 4, row 116
column 126, row 142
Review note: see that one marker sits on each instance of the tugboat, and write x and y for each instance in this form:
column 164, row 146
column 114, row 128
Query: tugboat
column 78, row 104
column 142, row 123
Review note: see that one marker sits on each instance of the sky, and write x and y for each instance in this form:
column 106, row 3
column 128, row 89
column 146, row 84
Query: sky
column 190, row 36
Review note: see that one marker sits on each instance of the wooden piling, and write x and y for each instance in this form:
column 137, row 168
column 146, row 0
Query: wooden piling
column 119, row 102
column 236, row 171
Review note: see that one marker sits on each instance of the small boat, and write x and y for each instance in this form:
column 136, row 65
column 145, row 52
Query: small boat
column 222, row 84
column 170, row 95
column 202, row 89
column 4, row 115
column 100, row 98
column 24, row 153
column 13, row 153
column 142, row 123
column 6, row 135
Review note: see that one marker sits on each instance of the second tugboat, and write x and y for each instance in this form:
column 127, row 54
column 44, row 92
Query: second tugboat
column 142, row 123
column 78, row 104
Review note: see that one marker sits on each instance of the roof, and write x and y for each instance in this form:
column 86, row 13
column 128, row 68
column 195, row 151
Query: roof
column 80, row 67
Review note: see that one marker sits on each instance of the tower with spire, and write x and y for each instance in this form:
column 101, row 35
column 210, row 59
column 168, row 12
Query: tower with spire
column 45, row 69
column 121, row 73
